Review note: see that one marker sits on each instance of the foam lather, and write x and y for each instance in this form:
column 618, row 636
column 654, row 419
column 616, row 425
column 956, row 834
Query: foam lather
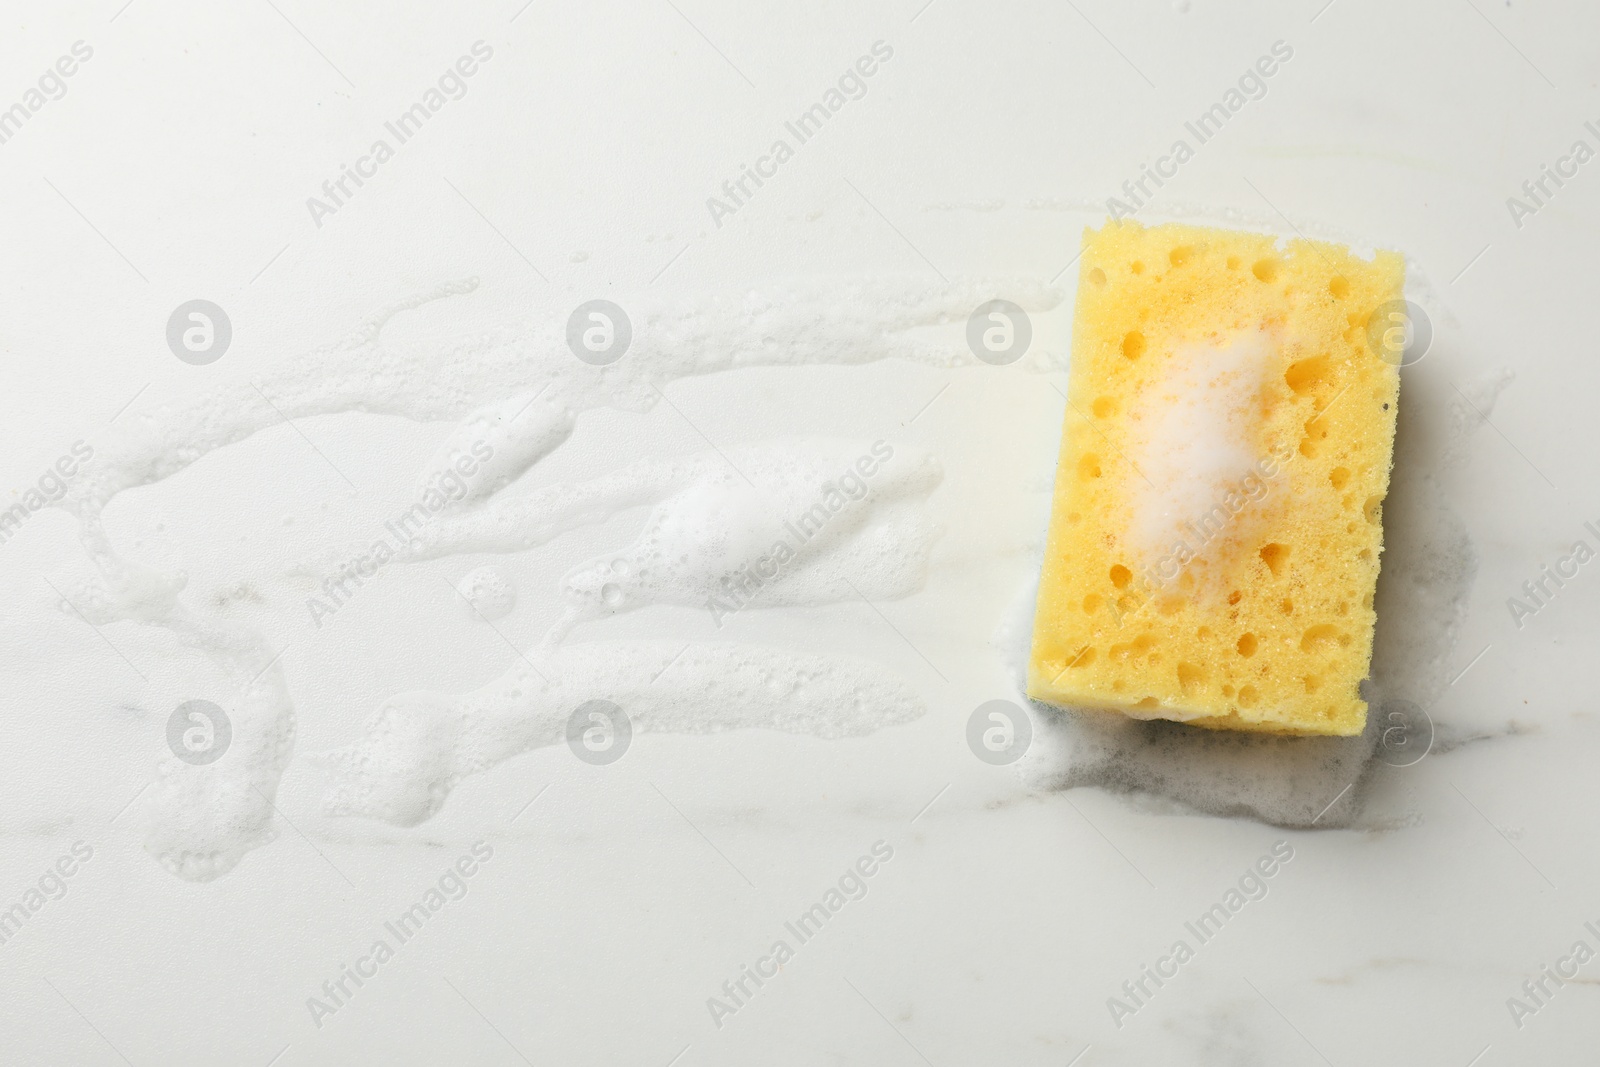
column 1217, row 521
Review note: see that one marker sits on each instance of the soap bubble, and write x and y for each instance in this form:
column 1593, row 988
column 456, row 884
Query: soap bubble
column 490, row 592
column 999, row 732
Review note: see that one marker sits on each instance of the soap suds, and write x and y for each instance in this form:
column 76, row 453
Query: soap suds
column 418, row 746
column 500, row 440
column 517, row 393
column 786, row 523
column 488, row 592
column 1194, row 436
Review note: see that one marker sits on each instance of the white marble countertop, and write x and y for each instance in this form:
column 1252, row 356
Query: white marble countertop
column 1401, row 910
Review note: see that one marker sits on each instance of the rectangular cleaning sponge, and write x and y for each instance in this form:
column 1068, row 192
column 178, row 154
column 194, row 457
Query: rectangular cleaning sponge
column 1214, row 541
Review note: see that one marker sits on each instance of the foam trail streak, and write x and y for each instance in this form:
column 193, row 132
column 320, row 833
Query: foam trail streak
column 418, row 746
column 206, row 819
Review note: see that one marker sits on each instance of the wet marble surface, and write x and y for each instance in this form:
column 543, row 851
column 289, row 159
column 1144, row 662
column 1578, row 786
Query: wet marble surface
column 1116, row 897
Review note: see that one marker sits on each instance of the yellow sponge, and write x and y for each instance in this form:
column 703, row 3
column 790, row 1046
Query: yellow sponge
column 1214, row 542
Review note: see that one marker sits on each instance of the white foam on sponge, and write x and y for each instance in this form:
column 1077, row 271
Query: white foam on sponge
column 1195, row 435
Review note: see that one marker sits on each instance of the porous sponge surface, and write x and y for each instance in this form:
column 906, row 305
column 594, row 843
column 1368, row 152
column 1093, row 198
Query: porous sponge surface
column 1256, row 613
